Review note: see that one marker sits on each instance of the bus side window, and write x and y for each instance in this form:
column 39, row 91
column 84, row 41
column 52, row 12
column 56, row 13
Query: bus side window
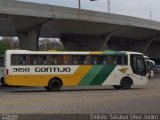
column 103, row 60
column 84, row 60
column 94, row 60
column 34, row 60
column 54, row 60
column 75, row 60
column 14, row 59
column 43, row 60
column 57, row 60
column 22, row 59
column 119, row 60
column 113, row 60
column 66, row 59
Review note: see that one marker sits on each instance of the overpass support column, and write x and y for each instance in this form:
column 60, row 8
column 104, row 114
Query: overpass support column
column 29, row 40
column 107, row 38
column 85, row 42
column 28, row 31
column 144, row 46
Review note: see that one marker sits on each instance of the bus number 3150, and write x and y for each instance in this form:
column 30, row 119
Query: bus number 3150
column 21, row 69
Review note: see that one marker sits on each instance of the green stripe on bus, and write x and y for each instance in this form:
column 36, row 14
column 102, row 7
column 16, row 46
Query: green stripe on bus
column 103, row 75
column 113, row 53
column 108, row 52
column 91, row 75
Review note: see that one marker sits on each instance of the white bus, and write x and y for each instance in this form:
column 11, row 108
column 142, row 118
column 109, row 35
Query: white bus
column 150, row 66
column 54, row 69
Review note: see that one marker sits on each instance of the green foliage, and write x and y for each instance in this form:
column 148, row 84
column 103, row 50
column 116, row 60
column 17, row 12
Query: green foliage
column 3, row 48
column 51, row 44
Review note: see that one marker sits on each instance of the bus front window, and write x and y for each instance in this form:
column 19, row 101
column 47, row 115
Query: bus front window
column 138, row 65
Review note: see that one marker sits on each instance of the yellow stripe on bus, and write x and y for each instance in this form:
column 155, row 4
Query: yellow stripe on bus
column 96, row 53
column 77, row 76
column 42, row 80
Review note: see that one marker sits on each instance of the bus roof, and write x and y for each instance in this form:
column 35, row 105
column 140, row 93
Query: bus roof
column 110, row 52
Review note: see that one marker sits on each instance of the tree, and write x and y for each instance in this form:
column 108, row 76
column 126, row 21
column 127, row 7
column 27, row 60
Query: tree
column 3, row 48
column 50, row 44
column 8, row 43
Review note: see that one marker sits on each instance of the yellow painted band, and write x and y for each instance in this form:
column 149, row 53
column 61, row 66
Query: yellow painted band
column 43, row 80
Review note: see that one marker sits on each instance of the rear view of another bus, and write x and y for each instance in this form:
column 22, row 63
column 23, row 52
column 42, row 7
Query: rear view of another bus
column 150, row 66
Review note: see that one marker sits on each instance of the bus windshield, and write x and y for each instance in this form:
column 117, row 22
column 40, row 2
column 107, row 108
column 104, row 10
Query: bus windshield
column 138, row 64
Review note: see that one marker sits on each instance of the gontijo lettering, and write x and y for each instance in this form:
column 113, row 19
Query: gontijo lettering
column 43, row 69
column 52, row 69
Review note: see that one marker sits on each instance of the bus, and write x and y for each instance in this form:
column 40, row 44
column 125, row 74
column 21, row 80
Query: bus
column 150, row 66
column 1, row 70
column 54, row 69
column 153, row 69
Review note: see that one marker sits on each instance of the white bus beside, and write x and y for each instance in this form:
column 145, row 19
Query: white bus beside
column 54, row 69
column 150, row 66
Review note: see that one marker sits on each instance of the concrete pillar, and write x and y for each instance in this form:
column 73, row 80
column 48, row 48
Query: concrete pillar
column 153, row 51
column 28, row 30
column 145, row 46
column 29, row 40
column 138, row 47
column 85, row 42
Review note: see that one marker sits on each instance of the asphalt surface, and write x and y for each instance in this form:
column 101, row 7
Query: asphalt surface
column 82, row 100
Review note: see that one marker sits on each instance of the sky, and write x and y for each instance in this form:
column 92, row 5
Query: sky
column 136, row 8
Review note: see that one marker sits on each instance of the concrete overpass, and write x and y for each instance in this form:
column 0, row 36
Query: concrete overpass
column 77, row 29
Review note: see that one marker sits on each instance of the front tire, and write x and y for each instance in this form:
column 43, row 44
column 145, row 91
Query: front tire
column 126, row 83
column 54, row 85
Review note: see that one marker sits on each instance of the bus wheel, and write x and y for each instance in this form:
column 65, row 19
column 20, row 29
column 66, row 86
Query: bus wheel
column 54, row 85
column 117, row 87
column 126, row 83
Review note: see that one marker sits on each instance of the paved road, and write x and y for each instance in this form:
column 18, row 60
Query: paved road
column 82, row 100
